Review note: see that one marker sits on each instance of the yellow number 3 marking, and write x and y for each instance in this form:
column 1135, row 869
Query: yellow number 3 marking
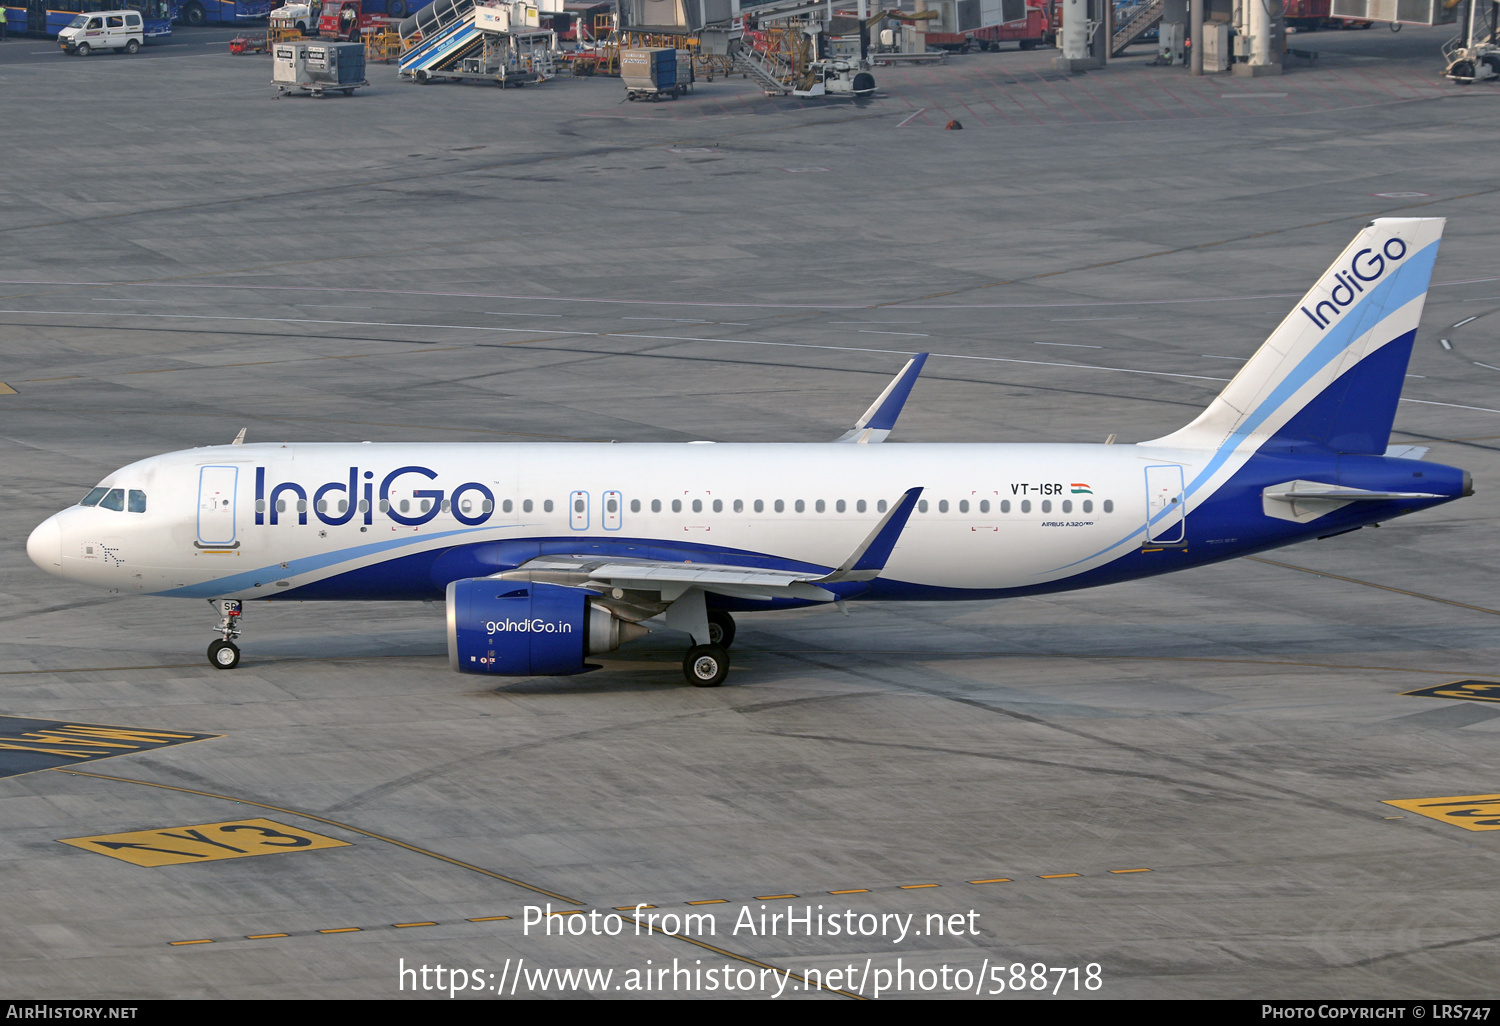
column 206, row 842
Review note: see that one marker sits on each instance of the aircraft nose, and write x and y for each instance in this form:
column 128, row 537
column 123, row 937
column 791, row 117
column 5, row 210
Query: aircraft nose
column 45, row 545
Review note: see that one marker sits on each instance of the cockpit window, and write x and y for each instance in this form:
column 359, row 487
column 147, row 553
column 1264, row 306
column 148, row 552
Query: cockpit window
column 114, row 499
column 93, row 497
column 137, row 501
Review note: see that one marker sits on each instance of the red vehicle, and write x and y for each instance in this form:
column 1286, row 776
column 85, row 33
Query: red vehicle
column 346, row 20
column 1309, row 15
column 1038, row 28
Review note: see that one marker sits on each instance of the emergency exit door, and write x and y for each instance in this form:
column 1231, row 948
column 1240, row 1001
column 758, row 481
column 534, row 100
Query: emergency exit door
column 216, row 506
column 1166, row 508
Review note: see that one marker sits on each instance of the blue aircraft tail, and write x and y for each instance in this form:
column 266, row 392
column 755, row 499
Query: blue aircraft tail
column 1329, row 377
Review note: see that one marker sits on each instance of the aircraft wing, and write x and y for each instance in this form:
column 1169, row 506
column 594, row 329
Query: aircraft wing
column 671, row 579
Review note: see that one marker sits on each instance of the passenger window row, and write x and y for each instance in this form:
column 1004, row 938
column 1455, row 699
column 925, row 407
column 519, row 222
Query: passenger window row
column 861, row 506
column 117, row 499
column 759, row 506
column 467, row 506
column 471, row 506
column 1086, row 506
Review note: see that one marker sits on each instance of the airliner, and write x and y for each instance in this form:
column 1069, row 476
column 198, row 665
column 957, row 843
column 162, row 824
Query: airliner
column 549, row 553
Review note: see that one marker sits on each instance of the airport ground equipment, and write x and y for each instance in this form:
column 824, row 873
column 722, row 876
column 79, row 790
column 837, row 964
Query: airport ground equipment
column 652, row 73
column 301, row 18
column 382, row 44
column 318, row 68
column 348, row 20
column 249, row 44
column 1474, row 54
column 495, row 40
column 802, row 48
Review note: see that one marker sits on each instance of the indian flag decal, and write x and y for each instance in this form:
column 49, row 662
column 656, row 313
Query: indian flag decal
column 1079, row 488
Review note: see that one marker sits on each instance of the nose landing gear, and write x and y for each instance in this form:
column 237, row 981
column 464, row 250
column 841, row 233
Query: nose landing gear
column 223, row 653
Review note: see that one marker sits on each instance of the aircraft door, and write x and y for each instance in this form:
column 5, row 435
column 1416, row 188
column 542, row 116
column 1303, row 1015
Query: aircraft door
column 217, row 506
column 612, row 510
column 578, row 509
column 1166, row 507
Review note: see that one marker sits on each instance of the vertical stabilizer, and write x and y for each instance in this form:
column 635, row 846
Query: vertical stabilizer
column 1330, row 375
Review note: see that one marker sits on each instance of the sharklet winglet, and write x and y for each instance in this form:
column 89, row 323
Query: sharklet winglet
column 880, row 418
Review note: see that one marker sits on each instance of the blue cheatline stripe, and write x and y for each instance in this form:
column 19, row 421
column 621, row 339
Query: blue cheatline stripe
column 275, row 572
column 1410, row 281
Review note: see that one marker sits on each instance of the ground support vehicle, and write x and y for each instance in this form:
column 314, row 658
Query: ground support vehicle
column 986, row 24
column 120, row 31
column 248, row 44
column 347, row 20
column 494, row 41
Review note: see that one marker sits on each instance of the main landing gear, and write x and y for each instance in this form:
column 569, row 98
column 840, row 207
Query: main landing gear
column 223, row 653
column 706, row 666
column 720, row 628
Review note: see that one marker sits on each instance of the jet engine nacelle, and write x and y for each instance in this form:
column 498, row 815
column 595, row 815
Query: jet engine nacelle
column 525, row 629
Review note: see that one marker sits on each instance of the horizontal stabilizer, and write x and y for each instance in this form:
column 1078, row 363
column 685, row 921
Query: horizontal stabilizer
column 1305, row 501
column 1345, row 495
column 880, row 418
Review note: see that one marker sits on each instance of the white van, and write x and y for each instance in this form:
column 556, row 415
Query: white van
column 98, row 30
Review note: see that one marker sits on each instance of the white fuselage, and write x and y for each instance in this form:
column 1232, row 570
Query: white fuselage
column 991, row 516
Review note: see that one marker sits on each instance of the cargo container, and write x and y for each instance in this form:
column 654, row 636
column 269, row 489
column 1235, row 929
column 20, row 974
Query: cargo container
column 318, row 68
column 652, row 73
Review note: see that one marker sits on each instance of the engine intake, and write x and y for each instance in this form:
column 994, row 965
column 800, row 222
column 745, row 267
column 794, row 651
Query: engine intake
column 527, row 629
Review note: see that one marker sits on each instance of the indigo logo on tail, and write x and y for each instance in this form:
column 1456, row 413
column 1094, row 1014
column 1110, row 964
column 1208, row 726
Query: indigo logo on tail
column 1367, row 266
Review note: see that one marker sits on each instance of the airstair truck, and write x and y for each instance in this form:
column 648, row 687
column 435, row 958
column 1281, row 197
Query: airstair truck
column 499, row 41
